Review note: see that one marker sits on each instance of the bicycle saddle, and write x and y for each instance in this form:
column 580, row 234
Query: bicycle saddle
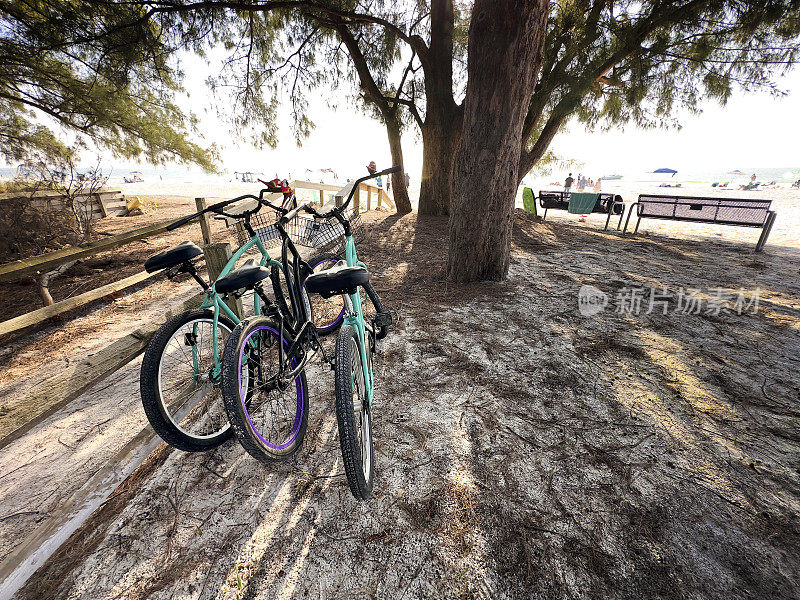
column 245, row 276
column 336, row 281
column 173, row 256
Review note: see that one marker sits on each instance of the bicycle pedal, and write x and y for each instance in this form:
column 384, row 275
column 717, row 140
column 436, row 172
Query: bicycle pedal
column 382, row 319
column 270, row 311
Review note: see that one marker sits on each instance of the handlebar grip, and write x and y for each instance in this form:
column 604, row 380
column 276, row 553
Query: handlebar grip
column 224, row 203
column 293, row 213
column 390, row 170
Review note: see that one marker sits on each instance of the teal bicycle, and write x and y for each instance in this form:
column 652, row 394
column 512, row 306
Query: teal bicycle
column 181, row 370
column 264, row 386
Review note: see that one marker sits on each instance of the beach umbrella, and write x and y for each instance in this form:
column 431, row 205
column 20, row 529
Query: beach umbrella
column 665, row 170
column 735, row 172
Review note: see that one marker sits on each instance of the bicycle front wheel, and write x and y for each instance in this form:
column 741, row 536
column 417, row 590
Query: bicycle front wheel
column 179, row 382
column 268, row 410
column 353, row 414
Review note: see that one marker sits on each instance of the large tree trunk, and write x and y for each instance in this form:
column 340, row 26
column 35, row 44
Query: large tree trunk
column 442, row 127
column 399, row 188
column 505, row 54
column 439, row 142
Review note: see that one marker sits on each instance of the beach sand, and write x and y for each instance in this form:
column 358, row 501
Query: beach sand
column 523, row 449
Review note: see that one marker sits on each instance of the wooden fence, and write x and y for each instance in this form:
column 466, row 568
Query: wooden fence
column 101, row 203
column 325, row 192
column 18, row 269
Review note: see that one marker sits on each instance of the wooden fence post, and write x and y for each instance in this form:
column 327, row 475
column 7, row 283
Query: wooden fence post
column 205, row 225
column 217, row 256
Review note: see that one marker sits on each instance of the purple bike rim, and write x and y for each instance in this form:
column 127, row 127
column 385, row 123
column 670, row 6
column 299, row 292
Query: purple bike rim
column 298, row 418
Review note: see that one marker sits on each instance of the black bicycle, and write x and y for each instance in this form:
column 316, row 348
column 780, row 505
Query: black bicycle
column 264, row 386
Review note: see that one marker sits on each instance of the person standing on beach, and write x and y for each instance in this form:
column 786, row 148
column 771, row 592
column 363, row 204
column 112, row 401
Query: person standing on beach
column 568, row 183
column 372, row 168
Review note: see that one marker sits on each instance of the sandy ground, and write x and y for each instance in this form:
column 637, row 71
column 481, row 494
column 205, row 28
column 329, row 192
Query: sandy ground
column 524, row 450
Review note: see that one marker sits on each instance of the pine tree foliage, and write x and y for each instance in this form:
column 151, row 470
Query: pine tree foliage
column 102, row 71
column 108, row 69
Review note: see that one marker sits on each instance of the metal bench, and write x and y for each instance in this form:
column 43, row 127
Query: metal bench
column 745, row 212
column 607, row 204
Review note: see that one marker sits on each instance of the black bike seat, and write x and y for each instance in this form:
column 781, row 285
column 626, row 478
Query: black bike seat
column 245, row 276
column 337, row 280
column 173, row 256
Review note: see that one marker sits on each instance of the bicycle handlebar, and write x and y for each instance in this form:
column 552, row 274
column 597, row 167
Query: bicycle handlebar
column 356, row 184
column 293, row 213
column 213, row 208
column 286, row 214
column 217, row 208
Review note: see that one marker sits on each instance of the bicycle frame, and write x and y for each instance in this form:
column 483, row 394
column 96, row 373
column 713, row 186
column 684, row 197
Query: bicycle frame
column 301, row 322
column 355, row 317
column 213, row 300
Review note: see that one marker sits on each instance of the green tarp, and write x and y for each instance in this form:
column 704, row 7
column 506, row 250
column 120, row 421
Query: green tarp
column 582, row 203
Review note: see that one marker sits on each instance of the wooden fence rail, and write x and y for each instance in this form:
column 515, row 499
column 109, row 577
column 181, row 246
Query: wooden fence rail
column 47, row 312
column 44, row 262
column 47, row 396
column 18, row 269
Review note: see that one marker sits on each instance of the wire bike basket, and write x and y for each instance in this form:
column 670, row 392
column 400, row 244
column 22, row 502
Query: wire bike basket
column 321, row 234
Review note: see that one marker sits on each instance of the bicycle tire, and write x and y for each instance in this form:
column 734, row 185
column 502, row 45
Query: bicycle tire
column 330, row 325
column 250, row 423
column 354, row 415
column 162, row 411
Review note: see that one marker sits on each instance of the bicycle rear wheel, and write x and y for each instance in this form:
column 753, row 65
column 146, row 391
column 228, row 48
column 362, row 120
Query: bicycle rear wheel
column 327, row 314
column 179, row 382
column 268, row 414
column 354, row 414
